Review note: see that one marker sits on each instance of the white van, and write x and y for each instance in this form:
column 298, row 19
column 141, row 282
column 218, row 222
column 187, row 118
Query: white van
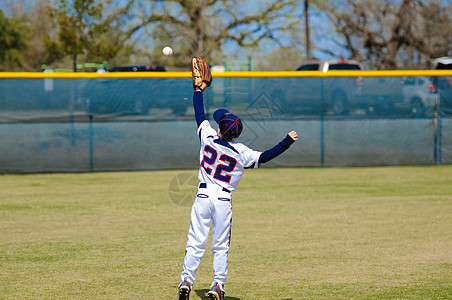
column 442, row 63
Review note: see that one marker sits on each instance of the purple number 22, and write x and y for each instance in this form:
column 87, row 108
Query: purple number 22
column 221, row 172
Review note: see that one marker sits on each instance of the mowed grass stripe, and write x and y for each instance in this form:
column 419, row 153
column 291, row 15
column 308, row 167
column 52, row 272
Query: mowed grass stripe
column 309, row 233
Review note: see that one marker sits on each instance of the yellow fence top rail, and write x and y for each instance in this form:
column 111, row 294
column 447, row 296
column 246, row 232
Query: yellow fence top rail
column 93, row 75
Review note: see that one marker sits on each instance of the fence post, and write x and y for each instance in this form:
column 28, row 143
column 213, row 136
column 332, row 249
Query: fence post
column 436, row 128
column 91, row 147
column 440, row 148
column 322, row 124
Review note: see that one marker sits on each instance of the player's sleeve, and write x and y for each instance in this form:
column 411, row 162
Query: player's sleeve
column 277, row 150
column 250, row 158
column 198, row 106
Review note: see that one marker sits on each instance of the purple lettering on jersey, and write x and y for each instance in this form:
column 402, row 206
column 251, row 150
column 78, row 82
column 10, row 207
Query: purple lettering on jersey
column 229, row 167
column 228, row 164
column 209, row 159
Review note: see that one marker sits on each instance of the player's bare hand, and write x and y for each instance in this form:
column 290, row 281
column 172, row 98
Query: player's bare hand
column 293, row 135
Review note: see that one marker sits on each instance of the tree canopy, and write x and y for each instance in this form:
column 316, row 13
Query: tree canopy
column 203, row 27
column 392, row 34
column 85, row 28
column 14, row 37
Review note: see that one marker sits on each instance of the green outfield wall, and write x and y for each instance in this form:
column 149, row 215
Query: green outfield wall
column 83, row 122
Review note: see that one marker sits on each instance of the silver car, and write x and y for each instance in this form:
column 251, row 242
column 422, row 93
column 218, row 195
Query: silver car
column 418, row 95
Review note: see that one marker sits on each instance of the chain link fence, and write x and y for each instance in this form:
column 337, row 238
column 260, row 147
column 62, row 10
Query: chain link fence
column 109, row 123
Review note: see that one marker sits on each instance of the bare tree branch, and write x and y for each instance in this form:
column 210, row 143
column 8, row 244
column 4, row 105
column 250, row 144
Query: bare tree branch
column 202, row 26
column 381, row 32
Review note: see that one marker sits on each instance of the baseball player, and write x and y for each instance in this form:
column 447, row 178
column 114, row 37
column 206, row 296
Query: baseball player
column 222, row 162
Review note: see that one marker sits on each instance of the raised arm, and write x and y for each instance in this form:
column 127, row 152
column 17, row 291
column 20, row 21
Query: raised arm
column 278, row 149
column 202, row 78
column 198, row 106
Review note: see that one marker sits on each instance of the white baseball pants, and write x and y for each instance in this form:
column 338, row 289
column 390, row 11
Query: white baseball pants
column 212, row 204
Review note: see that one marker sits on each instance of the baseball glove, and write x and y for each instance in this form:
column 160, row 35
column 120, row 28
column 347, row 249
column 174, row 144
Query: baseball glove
column 200, row 73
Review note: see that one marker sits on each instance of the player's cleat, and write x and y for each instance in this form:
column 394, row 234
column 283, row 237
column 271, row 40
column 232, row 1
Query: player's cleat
column 184, row 290
column 215, row 292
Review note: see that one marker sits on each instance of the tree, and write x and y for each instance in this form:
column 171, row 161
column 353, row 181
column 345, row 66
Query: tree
column 85, row 28
column 14, row 36
column 39, row 51
column 203, row 27
column 74, row 20
column 392, row 34
column 306, row 18
column 34, row 13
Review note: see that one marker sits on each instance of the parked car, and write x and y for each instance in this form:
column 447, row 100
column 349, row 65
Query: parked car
column 381, row 95
column 342, row 95
column 135, row 95
column 442, row 63
column 148, row 68
column 444, row 84
column 418, row 95
column 330, row 95
column 325, row 66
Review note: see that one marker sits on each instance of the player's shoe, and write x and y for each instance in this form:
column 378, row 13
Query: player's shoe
column 184, row 290
column 215, row 292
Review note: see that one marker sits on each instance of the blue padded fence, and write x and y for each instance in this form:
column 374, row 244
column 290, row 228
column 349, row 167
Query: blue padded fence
column 147, row 123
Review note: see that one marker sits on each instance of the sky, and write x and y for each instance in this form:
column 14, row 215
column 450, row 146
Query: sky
column 319, row 28
column 321, row 32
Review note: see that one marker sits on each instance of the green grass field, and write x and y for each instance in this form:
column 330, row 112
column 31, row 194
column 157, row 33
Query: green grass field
column 336, row 233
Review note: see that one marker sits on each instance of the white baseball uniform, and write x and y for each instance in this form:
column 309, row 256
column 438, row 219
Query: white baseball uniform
column 222, row 166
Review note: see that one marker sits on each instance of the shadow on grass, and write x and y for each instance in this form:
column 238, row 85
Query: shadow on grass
column 203, row 294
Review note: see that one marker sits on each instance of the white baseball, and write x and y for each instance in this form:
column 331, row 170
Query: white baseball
column 167, row 51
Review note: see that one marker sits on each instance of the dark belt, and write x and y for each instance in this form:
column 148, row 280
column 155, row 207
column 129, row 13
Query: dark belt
column 203, row 185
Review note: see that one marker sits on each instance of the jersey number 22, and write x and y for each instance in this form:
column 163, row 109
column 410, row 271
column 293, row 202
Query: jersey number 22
column 226, row 165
